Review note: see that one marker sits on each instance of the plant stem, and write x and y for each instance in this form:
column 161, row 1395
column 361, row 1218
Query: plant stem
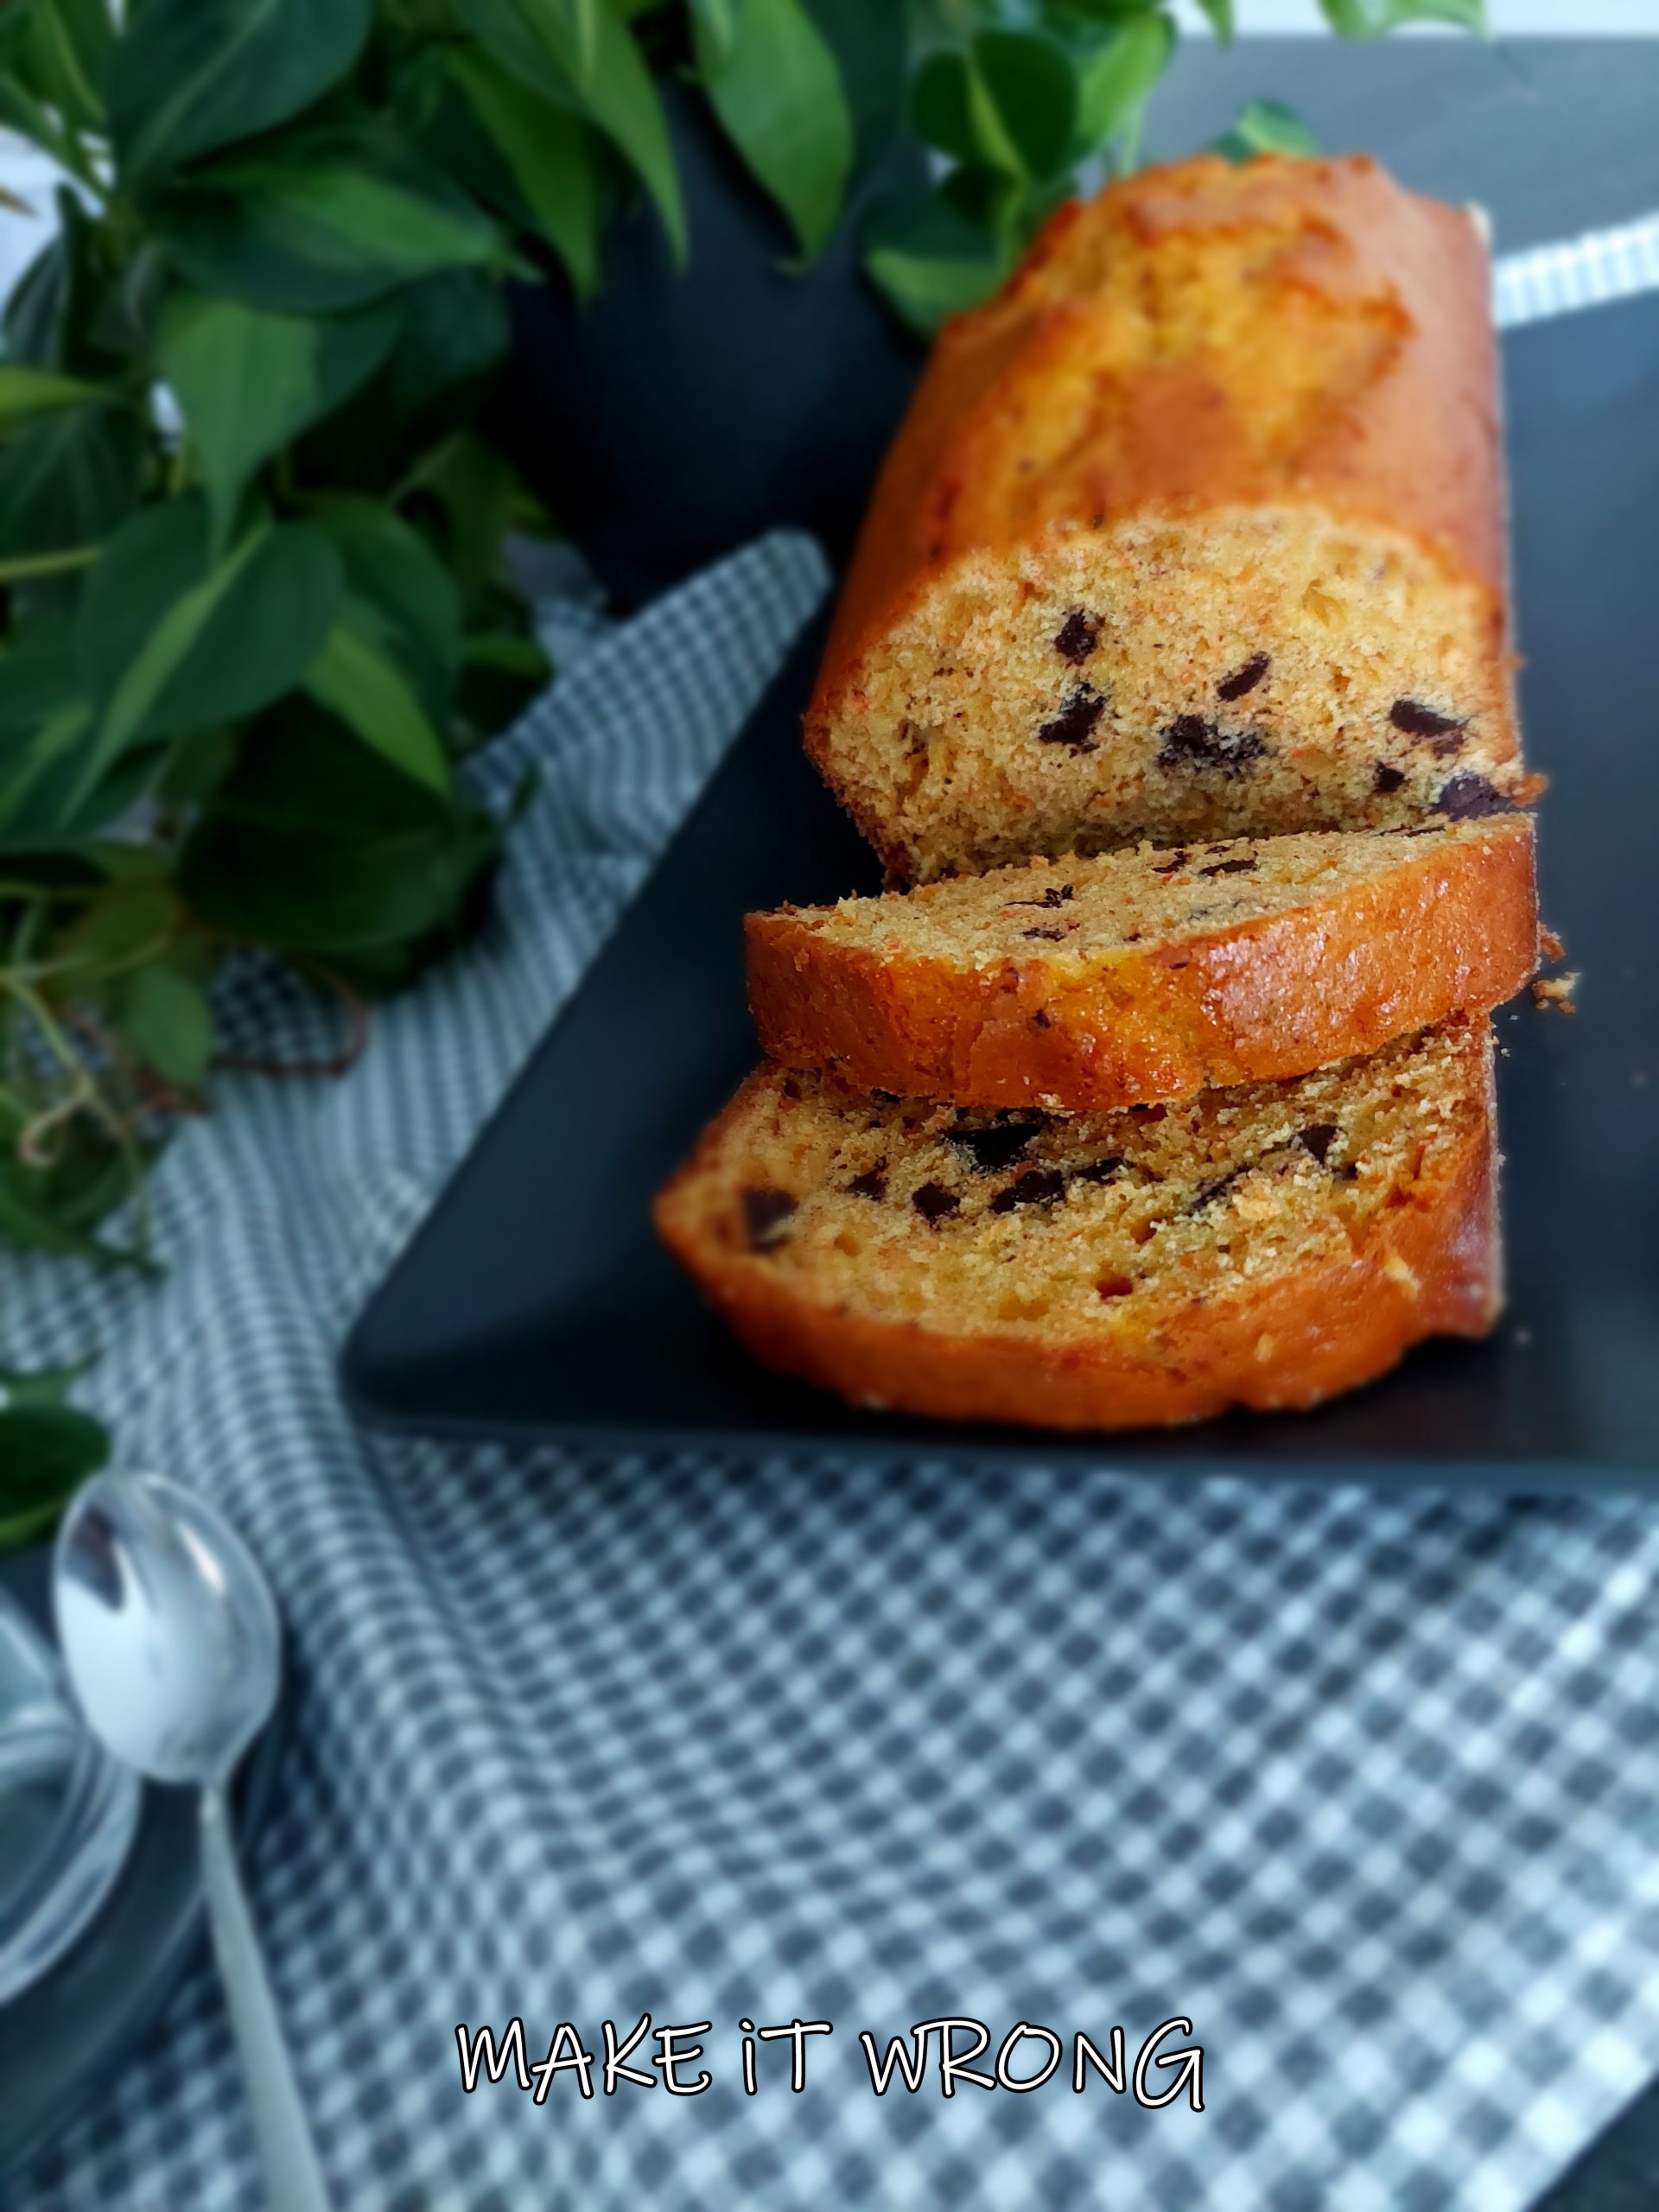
column 82, row 1096
column 48, row 564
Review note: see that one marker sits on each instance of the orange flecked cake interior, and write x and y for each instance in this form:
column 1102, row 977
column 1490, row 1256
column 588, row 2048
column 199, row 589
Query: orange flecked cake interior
column 1060, row 1229
column 1239, row 674
column 1075, row 911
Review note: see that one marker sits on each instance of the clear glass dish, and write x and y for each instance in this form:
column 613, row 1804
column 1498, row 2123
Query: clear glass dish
column 67, row 1810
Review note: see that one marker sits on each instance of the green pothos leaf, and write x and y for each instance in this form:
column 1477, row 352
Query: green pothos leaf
column 190, row 76
column 546, row 149
column 1373, row 18
column 47, row 1452
column 165, row 1015
column 772, row 80
column 1266, row 127
column 249, row 380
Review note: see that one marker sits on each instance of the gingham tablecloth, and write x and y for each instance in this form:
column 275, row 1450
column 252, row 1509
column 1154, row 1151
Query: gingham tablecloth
column 1366, row 1788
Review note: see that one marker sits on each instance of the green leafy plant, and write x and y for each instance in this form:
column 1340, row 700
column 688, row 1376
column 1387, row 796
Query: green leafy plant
column 46, row 1448
column 255, row 610
column 1017, row 97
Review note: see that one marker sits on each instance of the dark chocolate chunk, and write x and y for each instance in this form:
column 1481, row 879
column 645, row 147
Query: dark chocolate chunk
column 997, row 1147
column 1074, row 725
column 1079, row 633
column 1243, row 866
column 1175, row 861
column 872, row 1183
column 1042, row 1018
column 1055, row 895
column 934, row 1202
column 1054, row 937
column 765, row 1212
column 1387, row 778
column 1191, row 742
column 1418, row 720
column 1037, row 1187
column 1318, row 1138
column 1207, row 1193
column 1467, row 797
column 1244, row 679
column 1101, row 1170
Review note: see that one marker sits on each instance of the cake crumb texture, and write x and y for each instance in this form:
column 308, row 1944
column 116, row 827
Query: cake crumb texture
column 1102, row 1271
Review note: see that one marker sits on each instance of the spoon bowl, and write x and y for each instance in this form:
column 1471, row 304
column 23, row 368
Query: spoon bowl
column 168, row 1628
column 170, row 1639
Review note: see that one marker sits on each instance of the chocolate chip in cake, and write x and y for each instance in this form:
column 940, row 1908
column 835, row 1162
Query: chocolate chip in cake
column 1468, row 796
column 1055, row 895
column 1244, row 679
column 1079, row 634
column 1207, row 1193
column 1101, row 1170
column 1053, row 937
column 1418, row 720
column 1074, row 724
column 1191, row 742
column 1176, row 862
column 997, row 1147
column 934, row 1202
column 1042, row 1018
column 765, row 1212
column 1243, row 866
column 872, row 1183
column 1387, row 778
column 1037, row 1187
column 1318, row 1138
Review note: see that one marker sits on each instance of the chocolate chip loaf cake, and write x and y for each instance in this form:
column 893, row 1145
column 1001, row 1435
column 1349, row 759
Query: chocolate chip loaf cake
column 1086, row 983
column 1195, row 531
column 1263, row 1247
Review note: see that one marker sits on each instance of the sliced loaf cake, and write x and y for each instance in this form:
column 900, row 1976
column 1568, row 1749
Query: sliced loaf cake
column 1196, row 531
column 1145, row 974
column 1263, row 1247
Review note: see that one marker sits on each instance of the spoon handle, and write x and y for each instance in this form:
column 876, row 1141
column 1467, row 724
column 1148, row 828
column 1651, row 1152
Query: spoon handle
column 293, row 2180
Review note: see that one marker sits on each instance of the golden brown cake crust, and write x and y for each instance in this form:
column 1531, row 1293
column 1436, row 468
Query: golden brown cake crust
column 1415, row 445
column 1429, row 1264
column 1454, row 927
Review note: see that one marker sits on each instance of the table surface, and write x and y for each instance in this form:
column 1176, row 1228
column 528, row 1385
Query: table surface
column 1553, row 137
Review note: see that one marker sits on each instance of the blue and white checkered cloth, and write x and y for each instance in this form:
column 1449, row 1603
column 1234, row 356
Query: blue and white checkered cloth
column 1365, row 1787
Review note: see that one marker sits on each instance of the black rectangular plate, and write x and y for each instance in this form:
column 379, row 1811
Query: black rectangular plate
column 535, row 1301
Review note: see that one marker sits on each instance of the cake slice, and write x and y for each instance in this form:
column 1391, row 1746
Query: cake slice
column 1263, row 1247
column 1196, row 531
column 1145, row 974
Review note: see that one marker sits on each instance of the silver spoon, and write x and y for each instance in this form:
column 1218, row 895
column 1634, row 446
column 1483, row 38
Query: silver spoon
column 170, row 1637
